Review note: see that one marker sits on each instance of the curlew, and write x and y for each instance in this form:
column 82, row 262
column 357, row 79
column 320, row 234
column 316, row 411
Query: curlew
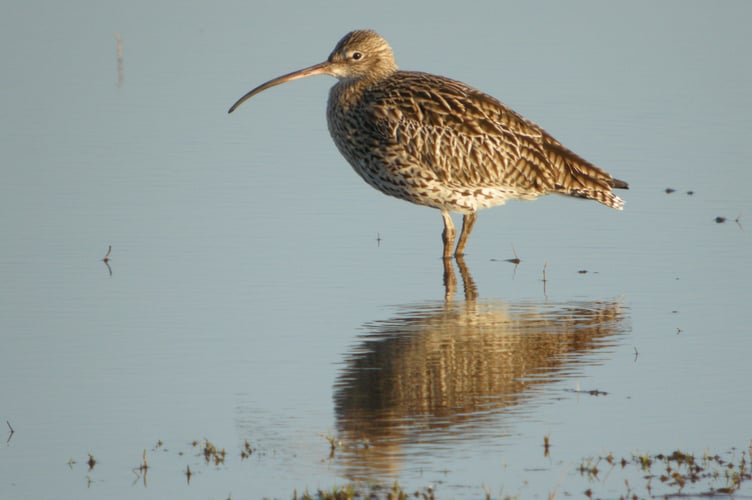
column 440, row 143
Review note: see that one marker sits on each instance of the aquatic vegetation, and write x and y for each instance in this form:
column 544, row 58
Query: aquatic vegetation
column 334, row 443
column 638, row 475
column 676, row 474
column 211, row 453
column 373, row 492
column 247, row 451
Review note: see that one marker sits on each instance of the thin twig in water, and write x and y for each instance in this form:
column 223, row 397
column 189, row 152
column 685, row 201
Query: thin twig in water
column 106, row 259
column 121, row 72
column 141, row 470
column 545, row 264
column 12, row 431
column 516, row 259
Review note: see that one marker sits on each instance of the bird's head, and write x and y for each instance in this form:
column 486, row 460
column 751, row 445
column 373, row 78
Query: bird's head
column 361, row 54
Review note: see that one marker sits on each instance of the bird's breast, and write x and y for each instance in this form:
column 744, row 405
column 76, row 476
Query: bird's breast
column 352, row 123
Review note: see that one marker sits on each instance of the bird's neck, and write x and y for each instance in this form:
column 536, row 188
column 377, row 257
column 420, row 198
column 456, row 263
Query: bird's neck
column 348, row 92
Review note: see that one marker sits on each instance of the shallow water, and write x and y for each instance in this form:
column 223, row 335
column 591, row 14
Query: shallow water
column 259, row 291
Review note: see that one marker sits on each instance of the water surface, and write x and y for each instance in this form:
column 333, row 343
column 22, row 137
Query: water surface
column 258, row 291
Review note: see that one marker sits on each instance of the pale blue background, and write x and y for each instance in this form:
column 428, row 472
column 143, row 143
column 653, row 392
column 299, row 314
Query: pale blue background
column 245, row 262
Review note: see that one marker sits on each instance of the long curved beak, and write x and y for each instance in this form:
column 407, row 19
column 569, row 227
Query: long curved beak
column 323, row 68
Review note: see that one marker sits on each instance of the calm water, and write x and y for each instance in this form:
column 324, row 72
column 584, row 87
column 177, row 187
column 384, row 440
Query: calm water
column 258, row 291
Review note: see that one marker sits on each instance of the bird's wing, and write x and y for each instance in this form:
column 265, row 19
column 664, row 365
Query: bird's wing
column 470, row 139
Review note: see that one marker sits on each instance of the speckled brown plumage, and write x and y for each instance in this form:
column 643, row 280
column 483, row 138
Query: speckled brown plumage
column 437, row 142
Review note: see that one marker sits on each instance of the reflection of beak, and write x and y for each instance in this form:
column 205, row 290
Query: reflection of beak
column 323, row 68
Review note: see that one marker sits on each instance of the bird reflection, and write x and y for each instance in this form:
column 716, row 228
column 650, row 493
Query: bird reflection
column 450, row 280
column 437, row 372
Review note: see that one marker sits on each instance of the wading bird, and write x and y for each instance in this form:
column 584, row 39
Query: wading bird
column 438, row 142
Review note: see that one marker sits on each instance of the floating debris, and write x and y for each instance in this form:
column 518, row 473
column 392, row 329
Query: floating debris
column 592, row 392
column 516, row 260
column 212, row 454
column 247, row 451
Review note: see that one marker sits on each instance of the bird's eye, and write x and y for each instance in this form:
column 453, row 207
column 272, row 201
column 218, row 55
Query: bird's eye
column 357, row 56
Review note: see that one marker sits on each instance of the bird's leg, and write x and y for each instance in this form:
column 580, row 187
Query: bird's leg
column 468, row 220
column 448, row 235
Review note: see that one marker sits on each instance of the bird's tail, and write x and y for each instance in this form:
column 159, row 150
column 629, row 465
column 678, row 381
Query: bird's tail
column 608, row 198
column 580, row 178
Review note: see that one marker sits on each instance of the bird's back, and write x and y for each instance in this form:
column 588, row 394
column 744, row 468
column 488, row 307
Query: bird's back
column 438, row 142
